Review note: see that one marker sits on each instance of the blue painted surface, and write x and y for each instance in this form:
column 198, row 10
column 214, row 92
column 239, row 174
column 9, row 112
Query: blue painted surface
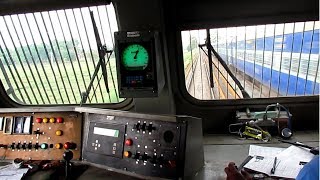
column 307, row 40
column 300, row 42
column 269, row 77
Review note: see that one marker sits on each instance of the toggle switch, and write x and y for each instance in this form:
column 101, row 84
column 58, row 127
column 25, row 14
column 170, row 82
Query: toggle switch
column 36, row 146
column 137, row 126
column 153, row 160
column 3, row 146
column 144, row 125
column 137, row 155
column 24, row 146
column 12, row 146
column 151, row 128
column 18, row 146
column 145, row 157
column 37, row 132
column 30, row 146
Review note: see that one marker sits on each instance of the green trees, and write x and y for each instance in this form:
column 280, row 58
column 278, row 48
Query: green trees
column 193, row 44
column 44, row 52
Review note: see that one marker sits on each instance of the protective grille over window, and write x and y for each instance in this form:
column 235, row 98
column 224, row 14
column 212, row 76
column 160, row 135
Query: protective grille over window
column 271, row 60
column 50, row 57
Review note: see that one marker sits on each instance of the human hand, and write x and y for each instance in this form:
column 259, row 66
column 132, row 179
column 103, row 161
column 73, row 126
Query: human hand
column 233, row 173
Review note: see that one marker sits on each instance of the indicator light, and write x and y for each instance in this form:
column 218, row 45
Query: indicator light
column 128, row 142
column 127, row 154
column 45, row 120
column 58, row 132
column 69, row 145
column 58, row 146
column 52, row 120
column 39, row 120
column 59, row 120
column 44, row 146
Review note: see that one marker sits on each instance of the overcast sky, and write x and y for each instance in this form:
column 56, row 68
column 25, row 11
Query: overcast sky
column 55, row 31
column 108, row 26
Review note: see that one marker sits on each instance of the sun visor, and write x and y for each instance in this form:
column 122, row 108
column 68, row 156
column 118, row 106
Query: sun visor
column 8, row 7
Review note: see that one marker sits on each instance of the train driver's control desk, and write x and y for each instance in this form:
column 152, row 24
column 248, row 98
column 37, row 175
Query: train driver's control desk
column 134, row 144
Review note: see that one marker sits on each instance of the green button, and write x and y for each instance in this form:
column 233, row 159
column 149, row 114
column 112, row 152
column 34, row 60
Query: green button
column 44, row 146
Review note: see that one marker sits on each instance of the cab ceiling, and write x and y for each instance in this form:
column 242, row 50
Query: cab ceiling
column 225, row 13
column 8, row 7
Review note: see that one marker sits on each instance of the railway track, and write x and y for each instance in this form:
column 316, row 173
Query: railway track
column 197, row 80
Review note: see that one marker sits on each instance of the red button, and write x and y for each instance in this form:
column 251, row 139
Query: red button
column 172, row 164
column 128, row 142
column 39, row 120
column 69, row 145
column 59, row 120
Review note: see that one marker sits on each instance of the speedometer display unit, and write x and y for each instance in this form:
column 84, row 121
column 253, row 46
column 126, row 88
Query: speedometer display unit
column 135, row 57
column 136, row 64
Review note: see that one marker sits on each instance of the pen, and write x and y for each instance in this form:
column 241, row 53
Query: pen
column 274, row 165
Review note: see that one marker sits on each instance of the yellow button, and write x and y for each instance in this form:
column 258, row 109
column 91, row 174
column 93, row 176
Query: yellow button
column 58, row 146
column 52, row 120
column 58, row 132
column 45, row 120
column 127, row 154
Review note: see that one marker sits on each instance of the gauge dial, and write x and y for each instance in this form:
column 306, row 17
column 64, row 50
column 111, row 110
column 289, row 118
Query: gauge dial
column 135, row 57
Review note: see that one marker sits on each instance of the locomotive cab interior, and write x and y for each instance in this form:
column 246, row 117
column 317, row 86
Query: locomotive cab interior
column 153, row 89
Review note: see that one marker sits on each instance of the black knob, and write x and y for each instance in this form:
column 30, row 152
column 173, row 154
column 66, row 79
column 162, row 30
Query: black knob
column 67, row 155
column 24, row 146
column 168, row 136
column 30, row 146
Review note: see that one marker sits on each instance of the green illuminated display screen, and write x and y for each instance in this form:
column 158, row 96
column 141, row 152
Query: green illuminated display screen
column 135, row 57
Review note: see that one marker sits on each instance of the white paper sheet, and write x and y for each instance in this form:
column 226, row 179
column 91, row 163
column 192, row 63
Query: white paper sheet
column 9, row 172
column 288, row 161
column 255, row 150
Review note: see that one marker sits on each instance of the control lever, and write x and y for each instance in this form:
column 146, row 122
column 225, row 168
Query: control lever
column 67, row 156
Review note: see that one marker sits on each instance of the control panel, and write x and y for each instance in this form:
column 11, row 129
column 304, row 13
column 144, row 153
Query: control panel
column 39, row 135
column 152, row 147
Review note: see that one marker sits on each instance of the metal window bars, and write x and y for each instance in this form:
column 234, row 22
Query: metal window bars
column 49, row 57
column 270, row 60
